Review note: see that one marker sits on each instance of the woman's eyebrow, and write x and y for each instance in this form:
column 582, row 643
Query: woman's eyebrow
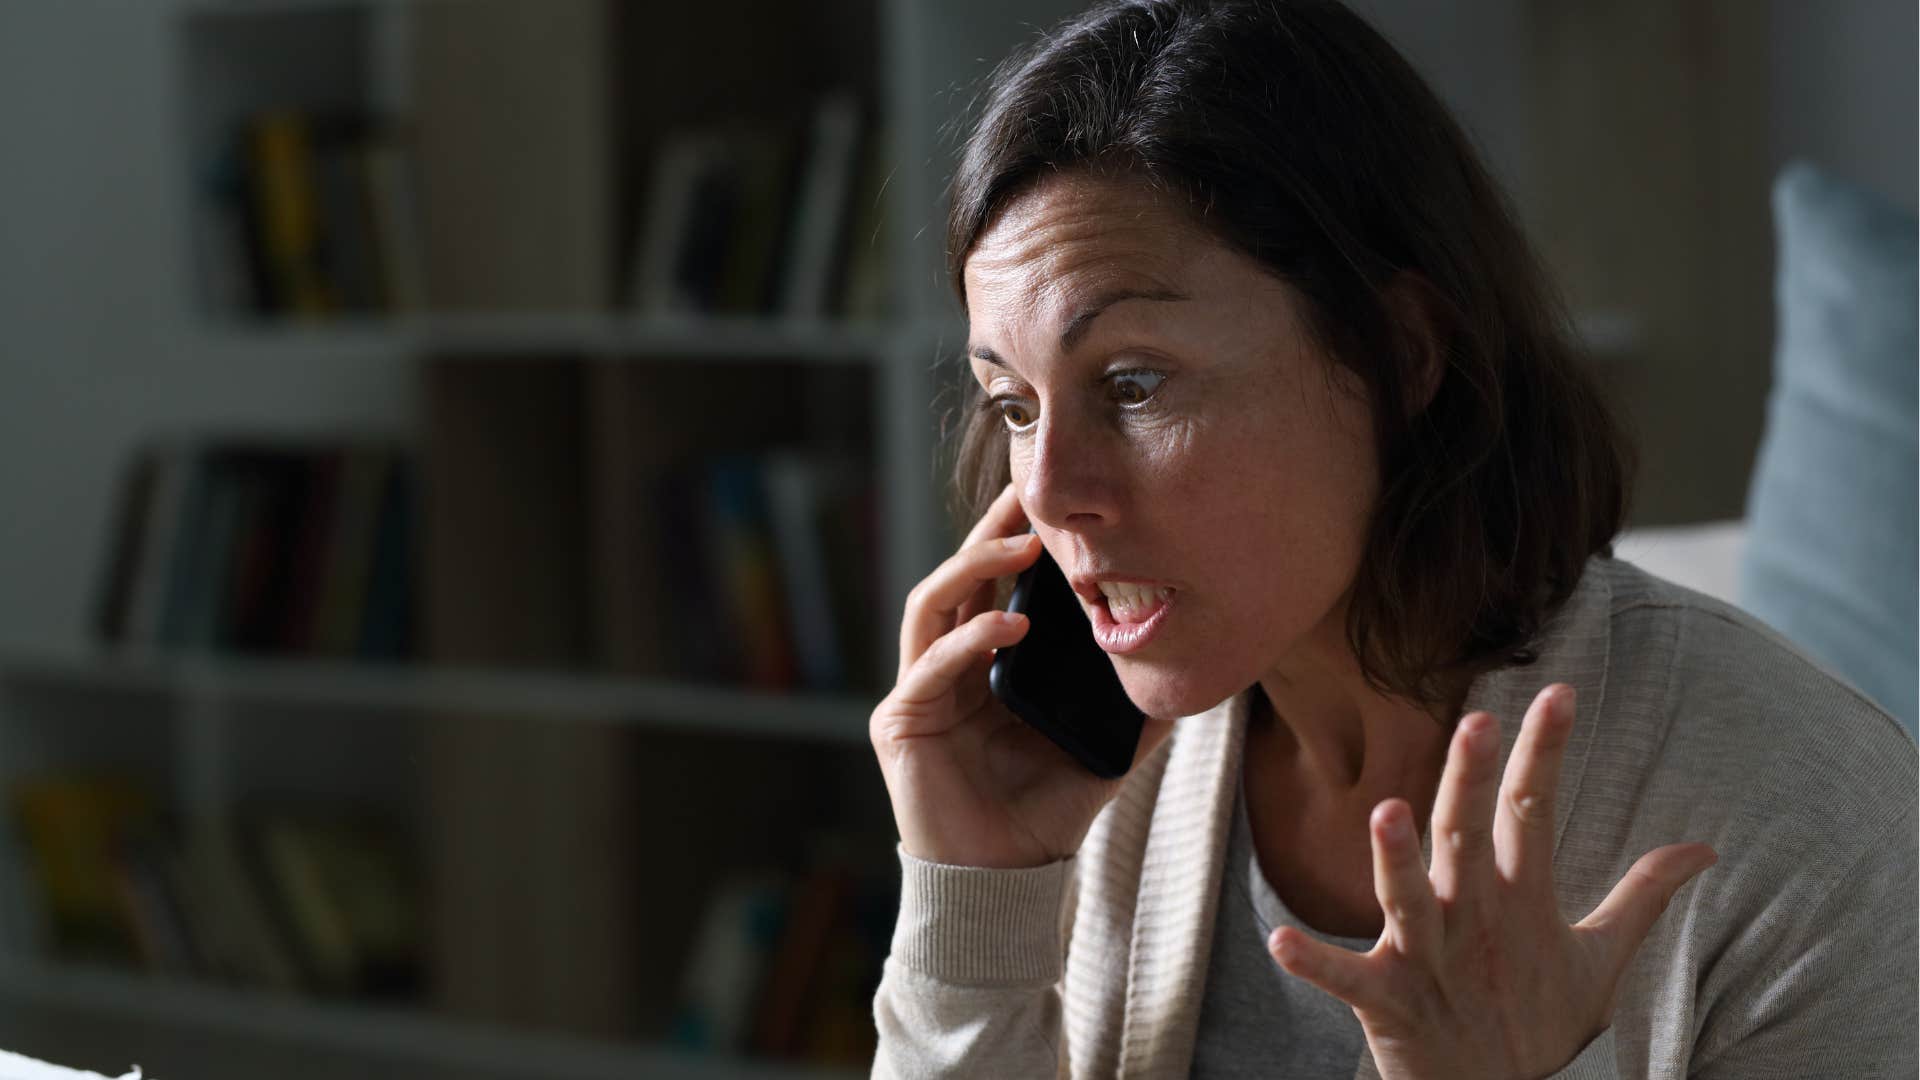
column 1077, row 326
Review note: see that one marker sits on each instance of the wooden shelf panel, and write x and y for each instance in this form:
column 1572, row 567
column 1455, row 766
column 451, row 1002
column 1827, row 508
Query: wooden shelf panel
column 560, row 696
column 378, row 1032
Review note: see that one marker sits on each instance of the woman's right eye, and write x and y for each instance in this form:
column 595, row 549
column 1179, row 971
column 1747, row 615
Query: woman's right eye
column 1013, row 411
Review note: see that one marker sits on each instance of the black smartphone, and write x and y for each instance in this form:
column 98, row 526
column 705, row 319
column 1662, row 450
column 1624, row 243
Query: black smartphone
column 1060, row 681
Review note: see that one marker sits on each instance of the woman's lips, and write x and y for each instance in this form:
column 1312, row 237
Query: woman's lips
column 1118, row 637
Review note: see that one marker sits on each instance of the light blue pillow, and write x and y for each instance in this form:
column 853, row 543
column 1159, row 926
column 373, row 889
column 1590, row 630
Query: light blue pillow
column 1831, row 553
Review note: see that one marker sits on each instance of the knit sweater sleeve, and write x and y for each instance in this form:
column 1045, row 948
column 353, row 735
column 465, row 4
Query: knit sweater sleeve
column 972, row 985
column 1836, row 995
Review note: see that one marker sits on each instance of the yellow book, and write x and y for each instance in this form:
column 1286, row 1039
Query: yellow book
column 281, row 152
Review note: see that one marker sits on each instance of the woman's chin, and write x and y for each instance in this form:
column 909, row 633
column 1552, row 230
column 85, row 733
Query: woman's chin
column 1168, row 694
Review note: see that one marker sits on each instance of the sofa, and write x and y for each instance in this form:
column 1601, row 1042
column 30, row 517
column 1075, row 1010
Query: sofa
column 1826, row 553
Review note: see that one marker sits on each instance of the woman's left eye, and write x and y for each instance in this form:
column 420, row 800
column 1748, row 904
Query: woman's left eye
column 1135, row 387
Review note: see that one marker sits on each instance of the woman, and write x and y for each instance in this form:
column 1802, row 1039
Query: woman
column 1430, row 784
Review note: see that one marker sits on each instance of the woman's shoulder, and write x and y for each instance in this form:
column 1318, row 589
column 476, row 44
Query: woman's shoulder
column 1719, row 718
column 1710, row 647
column 1714, row 728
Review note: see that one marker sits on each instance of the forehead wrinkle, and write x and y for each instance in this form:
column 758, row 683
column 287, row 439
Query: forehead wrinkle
column 1081, row 322
column 1068, row 289
column 1064, row 251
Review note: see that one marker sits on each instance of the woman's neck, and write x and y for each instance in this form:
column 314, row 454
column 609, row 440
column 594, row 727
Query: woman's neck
column 1340, row 732
column 1311, row 786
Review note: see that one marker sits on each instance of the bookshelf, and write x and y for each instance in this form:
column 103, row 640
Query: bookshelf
column 508, row 765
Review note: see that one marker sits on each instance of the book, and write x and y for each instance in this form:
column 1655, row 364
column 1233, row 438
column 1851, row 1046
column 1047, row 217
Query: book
column 202, row 588
column 274, row 493
column 233, row 275
column 283, row 190
column 263, row 545
column 795, row 493
column 386, row 629
column 796, row 969
column 309, row 912
column 818, row 223
column 72, row 827
column 686, row 165
column 365, row 472
column 344, row 897
column 308, row 549
column 700, row 632
column 128, row 541
column 165, row 942
column 250, row 941
column 218, row 956
column 748, row 576
column 388, row 173
column 733, row 945
column 191, row 534
column 160, row 541
column 349, row 251
column 864, row 286
column 850, row 526
column 765, row 164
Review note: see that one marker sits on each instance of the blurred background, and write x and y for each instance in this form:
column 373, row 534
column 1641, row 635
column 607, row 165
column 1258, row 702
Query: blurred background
column 462, row 462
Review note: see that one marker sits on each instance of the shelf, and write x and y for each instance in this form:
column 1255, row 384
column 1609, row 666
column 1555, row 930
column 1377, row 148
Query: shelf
column 391, row 1032
column 719, row 339
column 549, row 695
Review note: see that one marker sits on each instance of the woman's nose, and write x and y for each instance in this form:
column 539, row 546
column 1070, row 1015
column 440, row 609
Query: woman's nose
column 1068, row 480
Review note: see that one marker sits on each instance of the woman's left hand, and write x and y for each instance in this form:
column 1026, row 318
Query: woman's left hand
column 1475, row 973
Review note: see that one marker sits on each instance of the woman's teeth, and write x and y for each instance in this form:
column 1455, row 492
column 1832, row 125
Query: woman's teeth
column 1133, row 603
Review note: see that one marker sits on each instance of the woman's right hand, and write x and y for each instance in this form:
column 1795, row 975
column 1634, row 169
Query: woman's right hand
column 971, row 784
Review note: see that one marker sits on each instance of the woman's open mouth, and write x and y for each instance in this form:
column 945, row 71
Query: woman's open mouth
column 1127, row 617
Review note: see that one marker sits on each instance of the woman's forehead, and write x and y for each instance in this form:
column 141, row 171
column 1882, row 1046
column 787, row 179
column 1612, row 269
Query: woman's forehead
column 1099, row 230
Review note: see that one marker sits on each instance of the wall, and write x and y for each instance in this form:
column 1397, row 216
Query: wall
column 1843, row 90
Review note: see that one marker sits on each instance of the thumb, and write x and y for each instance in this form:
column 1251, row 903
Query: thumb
column 1637, row 901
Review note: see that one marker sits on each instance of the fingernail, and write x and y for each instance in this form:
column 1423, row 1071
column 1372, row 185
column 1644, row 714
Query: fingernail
column 1012, row 618
column 1483, row 735
column 1393, row 826
column 1016, row 543
column 1563, row 705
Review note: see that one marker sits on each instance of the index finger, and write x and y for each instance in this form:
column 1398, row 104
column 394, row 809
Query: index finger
column 1003, row 518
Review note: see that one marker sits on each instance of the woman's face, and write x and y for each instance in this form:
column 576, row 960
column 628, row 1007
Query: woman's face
column 1170, row 422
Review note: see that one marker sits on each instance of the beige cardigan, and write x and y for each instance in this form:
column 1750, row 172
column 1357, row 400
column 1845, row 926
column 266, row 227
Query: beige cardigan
column 1793, row 956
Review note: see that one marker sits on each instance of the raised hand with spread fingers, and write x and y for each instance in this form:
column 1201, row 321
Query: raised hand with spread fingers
column 1475, row 973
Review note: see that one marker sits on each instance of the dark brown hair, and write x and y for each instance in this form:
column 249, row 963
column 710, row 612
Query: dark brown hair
column 1301, row 138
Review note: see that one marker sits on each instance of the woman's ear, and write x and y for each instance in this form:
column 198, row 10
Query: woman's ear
column 1416, row 310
